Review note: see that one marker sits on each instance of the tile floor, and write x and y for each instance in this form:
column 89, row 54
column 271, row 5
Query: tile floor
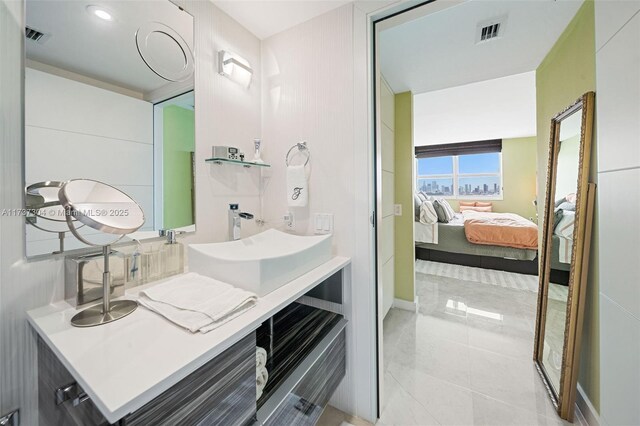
column 465, row 358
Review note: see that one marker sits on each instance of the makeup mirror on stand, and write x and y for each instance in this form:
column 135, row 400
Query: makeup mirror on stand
column 110, row 211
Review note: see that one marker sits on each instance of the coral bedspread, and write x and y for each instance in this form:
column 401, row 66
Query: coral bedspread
column 500, row 229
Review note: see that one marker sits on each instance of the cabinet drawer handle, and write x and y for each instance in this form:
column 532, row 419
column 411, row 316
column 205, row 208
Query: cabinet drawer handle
column 11, row 419
column 80, row 399
column 72, row 392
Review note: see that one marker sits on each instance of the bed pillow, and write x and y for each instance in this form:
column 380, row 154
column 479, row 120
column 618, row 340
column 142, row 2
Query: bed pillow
column 476, row 209
column 567, row 206
column 484, row 204
column 467, row 203
column 450, row 212
column 428, row 214
column 440, row 211
column 416, row 206
column 566, row 225
column 443, row 209
column 557, row 216
column 427, row 196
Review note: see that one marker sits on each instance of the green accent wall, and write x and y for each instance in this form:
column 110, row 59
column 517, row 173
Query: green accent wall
column 566, row 73
column 403, row 188
column 178, row 143
column 518, row 177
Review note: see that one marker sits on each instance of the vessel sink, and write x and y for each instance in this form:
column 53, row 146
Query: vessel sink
column 261, row 263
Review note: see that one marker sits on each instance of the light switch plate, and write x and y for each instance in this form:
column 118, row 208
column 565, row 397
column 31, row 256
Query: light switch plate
column 397, row 209
column 323, row 223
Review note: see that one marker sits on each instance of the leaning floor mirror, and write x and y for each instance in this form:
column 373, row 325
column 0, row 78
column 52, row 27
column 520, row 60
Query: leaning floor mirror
column 564, row 254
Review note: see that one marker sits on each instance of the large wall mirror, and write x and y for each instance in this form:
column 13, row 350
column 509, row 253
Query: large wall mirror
column 109, row 96
column 569, row 204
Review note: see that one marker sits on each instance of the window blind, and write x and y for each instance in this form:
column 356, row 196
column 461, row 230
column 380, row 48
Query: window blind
column 460, row 148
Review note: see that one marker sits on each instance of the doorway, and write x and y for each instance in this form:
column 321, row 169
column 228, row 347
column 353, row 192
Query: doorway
column 456, row 121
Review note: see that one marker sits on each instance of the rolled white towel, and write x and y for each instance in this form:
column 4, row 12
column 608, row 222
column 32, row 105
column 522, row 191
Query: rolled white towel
column 261, row 357
column 262, row 375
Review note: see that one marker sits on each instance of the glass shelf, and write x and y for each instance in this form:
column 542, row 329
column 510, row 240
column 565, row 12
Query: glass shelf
column 247, row 164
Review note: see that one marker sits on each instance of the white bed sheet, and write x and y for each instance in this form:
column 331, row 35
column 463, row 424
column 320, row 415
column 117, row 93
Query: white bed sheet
column 424, row 233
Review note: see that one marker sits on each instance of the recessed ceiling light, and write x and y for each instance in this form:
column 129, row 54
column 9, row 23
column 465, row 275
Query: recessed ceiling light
column 100, row 13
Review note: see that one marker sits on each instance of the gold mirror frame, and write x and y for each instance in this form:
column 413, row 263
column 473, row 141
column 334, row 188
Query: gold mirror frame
column 564, row 398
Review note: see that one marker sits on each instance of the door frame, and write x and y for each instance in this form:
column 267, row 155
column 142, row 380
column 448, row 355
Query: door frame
column 377, row 21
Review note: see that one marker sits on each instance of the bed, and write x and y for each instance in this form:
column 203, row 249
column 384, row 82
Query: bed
column 559, row 270
column 449, row 244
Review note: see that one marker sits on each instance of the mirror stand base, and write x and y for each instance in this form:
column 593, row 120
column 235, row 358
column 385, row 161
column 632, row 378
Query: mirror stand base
column 95, row 315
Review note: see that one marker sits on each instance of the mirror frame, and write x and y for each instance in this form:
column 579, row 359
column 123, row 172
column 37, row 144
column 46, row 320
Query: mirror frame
column 564, row 398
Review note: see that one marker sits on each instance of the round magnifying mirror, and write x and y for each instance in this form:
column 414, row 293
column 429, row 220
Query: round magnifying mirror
column 109, row 210
column 100, row 206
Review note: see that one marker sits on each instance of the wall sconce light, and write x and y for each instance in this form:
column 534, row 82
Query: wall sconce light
column 235, row 67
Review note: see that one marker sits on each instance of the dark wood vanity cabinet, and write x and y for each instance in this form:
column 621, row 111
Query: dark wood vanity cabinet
column 221, row 392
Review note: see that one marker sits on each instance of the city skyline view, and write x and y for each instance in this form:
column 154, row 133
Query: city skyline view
column 483, row 186
column 433, row 179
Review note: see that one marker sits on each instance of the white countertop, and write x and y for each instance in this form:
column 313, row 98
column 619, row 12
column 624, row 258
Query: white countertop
column 125, row 364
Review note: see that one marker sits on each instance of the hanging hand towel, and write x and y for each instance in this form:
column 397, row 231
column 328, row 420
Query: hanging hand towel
column 297, row 186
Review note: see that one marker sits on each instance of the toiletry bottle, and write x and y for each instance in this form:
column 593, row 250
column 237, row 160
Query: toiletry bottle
column 256, row 153
column 172, row 256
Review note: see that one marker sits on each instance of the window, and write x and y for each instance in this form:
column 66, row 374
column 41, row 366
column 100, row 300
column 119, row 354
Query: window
column 461, row 176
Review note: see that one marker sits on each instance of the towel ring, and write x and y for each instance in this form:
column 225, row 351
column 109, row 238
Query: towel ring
column 302, row 147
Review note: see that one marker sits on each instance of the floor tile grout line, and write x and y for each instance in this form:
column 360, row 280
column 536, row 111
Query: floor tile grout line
column 413, row 397
column 513, row 406
column 470, row 390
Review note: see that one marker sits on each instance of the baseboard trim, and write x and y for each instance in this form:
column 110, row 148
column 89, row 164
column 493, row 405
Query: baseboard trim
column 585, row 409
column 406, row 305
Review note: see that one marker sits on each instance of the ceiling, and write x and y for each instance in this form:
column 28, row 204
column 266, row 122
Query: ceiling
column 266, row 18
column 501, row 108
column 101, row 50
column 439, row 50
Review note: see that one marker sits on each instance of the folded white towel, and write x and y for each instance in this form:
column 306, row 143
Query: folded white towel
column 261, row 357
column 262, row 375
column 197, row 303
column 297, row 186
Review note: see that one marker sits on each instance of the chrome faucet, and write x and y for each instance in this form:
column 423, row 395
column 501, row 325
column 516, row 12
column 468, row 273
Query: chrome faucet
column 235, row 219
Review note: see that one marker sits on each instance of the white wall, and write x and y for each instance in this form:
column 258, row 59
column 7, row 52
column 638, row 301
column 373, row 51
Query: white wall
column 225, row 114
column 387, row 242
column 74, row 130
column 618, row 142
column 315, row 89
column 502, row 108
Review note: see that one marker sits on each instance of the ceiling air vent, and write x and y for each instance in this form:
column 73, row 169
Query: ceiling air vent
column 35, row 35
column 491, row 29
column 489, row 32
